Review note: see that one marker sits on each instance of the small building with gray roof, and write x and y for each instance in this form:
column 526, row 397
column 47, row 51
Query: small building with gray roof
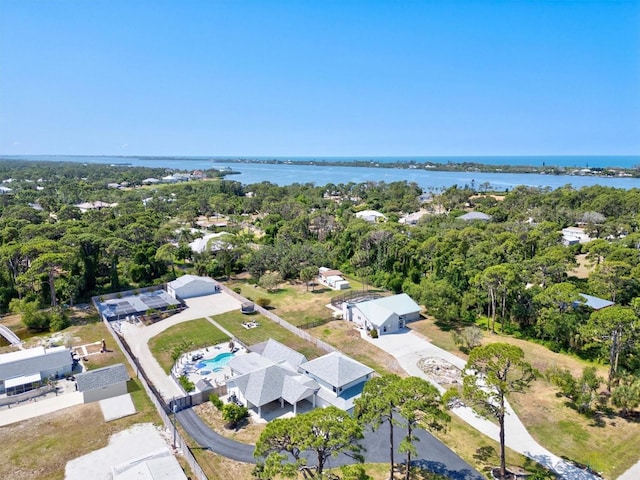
column 189, row 286
column 102, row 383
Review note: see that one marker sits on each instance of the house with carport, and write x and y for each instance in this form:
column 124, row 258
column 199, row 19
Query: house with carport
column 385, row 314
column 273, row 375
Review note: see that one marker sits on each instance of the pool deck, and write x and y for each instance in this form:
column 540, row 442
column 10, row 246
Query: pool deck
column 217, row 376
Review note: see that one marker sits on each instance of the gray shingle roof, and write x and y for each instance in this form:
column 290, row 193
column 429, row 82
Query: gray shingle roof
column 475, row 216
column 271, row 383
column 102, row 377
column 187, row 279
column 336, row 369
column 31, row 361
column 277, row 352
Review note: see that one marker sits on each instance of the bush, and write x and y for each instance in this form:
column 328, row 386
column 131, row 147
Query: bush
column 238, row 290
column 58, row 321
column 186, row 384
column 234, row 414
column 373, row 333
column 215, row 400
column 468, row 338
column 263, row 302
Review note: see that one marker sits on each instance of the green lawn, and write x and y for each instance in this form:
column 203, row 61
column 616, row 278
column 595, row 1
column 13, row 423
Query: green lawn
column 232, row 321
column 196, row 333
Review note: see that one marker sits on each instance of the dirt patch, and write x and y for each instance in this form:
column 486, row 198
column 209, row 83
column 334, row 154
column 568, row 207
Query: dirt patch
column 584, row 267
column 247, row 433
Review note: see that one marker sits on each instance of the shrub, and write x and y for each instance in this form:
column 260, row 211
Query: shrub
column 373, row 333
column 186, row 384
column 58, row 321
column 468, row 338
column 263, row 302
column 215, row 400
column 237, row 290
column 234, row 414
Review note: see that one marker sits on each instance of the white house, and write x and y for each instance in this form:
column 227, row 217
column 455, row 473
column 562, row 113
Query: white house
column 102, row 383
column 4, row 189
column 189, row 286
column 574, row 235
column 386, row 314
column 210, row 242
column 332, row 279
column 24, row 370
column 272, row 372
column 371, row 216
column 470, row 216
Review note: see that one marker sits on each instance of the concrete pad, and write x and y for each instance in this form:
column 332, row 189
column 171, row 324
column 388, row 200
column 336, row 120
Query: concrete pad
column 138, row 336
column 135, row 450
column 36, row 408
column 117, row 407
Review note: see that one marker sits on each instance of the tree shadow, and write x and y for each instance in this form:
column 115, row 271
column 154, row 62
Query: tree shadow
column 441, row 469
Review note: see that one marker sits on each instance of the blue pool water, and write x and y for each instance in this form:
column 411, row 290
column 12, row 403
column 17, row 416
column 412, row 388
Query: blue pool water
column 218, row 361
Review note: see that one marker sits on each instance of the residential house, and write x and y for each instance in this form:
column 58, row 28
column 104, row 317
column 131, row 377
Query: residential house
column 274, row 373
column 371, row 216
column 25, row 370
column 332, row 279
column 574, row 235
column 596, row 303
column 386, row 314
column 212, row 242
column 471, row 216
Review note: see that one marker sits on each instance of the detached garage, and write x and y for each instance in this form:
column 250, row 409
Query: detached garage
column 103, row 383
column 189, row 286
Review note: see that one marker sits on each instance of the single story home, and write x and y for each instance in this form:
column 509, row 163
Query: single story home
column 371, row 216
column 273, row 372
column 211, row 242
column 105, row 382
column 332, row 279
column 386, row 314
column 25, row 370
column 596, row 303
column 574, row 235
column 189, row 286
column 470, row 216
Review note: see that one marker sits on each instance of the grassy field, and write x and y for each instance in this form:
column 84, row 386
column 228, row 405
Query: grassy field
column 196, row 333
column 41, row 447
column 608, row 443
column 232, row 321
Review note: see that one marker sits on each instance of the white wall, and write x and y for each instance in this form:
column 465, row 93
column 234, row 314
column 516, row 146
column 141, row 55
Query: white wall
column 105, row 392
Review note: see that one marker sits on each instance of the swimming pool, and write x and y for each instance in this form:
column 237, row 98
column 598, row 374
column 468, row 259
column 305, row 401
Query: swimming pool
column 218, row 361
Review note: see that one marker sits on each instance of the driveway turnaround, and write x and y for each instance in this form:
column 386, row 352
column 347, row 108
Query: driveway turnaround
column 431, row 453
column 409, row 348
column 138, row 336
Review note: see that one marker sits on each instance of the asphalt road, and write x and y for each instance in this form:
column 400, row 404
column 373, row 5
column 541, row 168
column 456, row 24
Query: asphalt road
column 432, row 454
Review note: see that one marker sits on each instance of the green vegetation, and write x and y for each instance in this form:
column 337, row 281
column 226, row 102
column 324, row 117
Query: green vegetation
column 183, row 337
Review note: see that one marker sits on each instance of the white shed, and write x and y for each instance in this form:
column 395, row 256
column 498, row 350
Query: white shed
column 189, row 286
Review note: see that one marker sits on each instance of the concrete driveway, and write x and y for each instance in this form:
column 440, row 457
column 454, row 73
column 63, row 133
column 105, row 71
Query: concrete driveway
column 138, row 336
column 408, row 347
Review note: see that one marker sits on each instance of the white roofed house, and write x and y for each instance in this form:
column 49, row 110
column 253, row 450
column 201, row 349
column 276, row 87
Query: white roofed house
column 371, row 216
column 332, row 279
column 386, row 314
column 24, row 370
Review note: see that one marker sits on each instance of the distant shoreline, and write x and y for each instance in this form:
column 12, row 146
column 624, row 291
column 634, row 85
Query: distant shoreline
column 464, row 166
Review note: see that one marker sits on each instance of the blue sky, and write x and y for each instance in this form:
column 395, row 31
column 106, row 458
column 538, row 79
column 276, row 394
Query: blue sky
column 320, row 77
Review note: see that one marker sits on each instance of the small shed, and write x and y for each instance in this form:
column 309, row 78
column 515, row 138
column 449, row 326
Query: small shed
column 189, row 286
column 105, row 382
